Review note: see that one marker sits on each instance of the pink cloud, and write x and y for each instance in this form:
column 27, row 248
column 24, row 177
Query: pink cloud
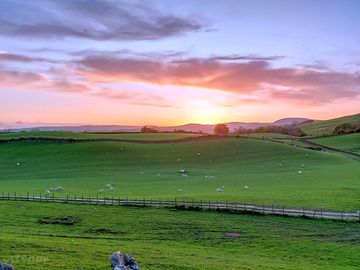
column 314, row 86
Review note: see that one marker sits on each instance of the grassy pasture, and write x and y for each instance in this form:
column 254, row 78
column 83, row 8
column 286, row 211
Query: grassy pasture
column 165, row 239
column 326, row 127
column 349, row 142
column 152, row 171
column 78, row 135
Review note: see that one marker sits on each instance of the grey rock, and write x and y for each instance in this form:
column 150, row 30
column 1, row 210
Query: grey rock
column 122, row 261
column 4, row 266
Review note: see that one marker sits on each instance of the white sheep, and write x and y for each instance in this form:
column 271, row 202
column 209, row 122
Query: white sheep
column 18, row 164
column 100, row 190
column 246, row 186
column 300, row 172
column 59, row 188
column 219, row 190
column 180, row 190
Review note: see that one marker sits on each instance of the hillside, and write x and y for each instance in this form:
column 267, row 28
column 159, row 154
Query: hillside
column 269, row 169
column 326, row 127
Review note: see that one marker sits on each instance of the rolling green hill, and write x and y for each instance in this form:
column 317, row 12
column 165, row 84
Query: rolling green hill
column 270, row 170
column 325, row 127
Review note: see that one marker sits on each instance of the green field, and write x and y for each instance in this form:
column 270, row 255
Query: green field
column 267, row 135
column 152, row 170
column 326, row 127
column 77, row 135
column 350, row 142
column 165, row 239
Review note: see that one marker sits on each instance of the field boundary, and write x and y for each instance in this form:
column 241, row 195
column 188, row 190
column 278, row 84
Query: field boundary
column 233, row 207
column 79, row 140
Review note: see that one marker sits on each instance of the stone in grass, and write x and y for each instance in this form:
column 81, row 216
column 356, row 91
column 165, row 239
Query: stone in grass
column 4, row 266
column 122, row 261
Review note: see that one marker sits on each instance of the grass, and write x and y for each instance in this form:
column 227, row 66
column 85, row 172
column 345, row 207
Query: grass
column 326, row 127
column 165, row 239
column 350, row 142
column 152, row 171
column 267, row 135
column 77, row 135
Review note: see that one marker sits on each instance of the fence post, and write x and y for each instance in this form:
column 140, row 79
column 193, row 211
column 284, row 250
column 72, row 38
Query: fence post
column 27, row 196
column 144, row 202
column 245, row 206
column 75, row 198
column 175, row 203
column 67, row 198
column 283, row 210
column 321, row 214
column 342, row 215
column 14, row 196
column 8, row 196
column 236, row 207
column 40, row 196
column 53, row 197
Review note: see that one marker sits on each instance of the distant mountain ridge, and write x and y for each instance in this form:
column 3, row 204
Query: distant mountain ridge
column 192, row 127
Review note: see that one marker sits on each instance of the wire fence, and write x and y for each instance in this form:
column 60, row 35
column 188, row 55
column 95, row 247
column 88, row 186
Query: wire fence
column 190, row 205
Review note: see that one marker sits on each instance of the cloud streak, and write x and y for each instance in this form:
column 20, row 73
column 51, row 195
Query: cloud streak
column 95, row 20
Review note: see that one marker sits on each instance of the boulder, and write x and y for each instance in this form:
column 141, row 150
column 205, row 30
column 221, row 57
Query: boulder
column 122, row 261
column 4, row 266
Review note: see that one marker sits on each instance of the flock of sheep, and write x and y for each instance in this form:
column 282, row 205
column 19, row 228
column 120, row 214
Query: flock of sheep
column 182, row 172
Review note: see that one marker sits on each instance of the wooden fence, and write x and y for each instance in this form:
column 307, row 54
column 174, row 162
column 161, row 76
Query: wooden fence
column 190, row 205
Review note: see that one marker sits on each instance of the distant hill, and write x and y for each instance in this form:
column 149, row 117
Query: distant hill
column 326, row 127
column 291, row 121
column 192, row 127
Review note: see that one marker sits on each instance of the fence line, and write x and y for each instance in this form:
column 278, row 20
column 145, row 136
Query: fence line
column 190, row 205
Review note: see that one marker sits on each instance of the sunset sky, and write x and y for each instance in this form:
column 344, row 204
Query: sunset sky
column 174, row 62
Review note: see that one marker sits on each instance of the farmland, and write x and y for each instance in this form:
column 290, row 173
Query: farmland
column 168, row 239
column 275, row 173
column 349, row 142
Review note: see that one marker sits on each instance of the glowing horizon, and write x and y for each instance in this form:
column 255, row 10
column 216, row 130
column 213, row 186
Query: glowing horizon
column 160, row 64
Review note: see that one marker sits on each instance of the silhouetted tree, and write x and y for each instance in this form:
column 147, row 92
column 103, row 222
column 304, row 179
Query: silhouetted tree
column 147, row 129
column 221, row 129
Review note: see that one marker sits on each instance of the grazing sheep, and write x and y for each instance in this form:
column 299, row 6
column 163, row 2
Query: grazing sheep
column 198, row 154
column 302, row 165
column 180, row 190
column 108, row 186
column 141, row 172
column 280, row 165
column 178, row 159
column 300, row 172
column 100, row 190
column 18, row 164
column 47, row 192
column 111, row 188
column 182, row 171
column 59, row 188
column 219, row 190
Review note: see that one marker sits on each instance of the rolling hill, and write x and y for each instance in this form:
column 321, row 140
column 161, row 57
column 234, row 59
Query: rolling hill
column 326, row 127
